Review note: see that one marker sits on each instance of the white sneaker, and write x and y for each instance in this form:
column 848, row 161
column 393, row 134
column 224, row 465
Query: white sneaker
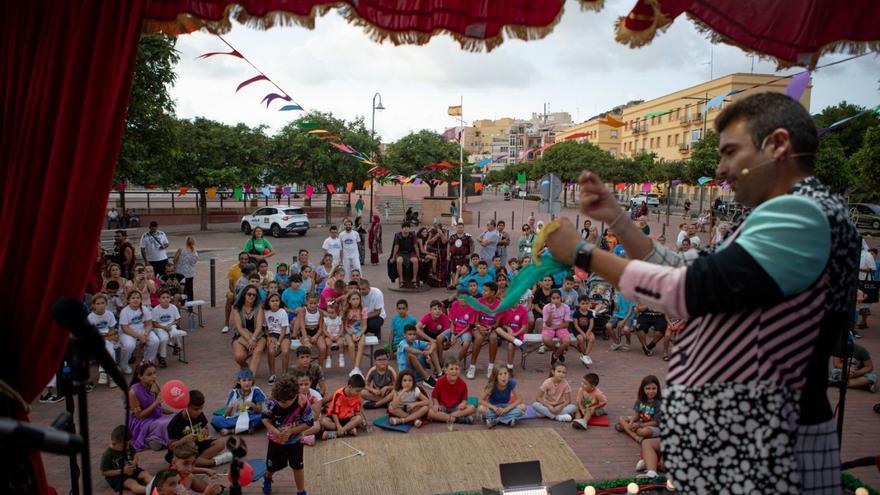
column 342, row 360
column 102, row 378
column 510, row 367
column 225, row 329
column 222, row 458
column 565, row 418
column 640, row 466
column 327, row 362
column 517, row 342
column 542, row 349
column 355, row 371
column 471, row 372
column 126, row 370
column 489, row 370
column 586, row 360
column 615, row 347
column 113, row 384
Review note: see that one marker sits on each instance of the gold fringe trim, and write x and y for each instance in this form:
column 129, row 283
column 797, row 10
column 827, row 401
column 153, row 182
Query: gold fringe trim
column 187, row 23
column 638, row 39
column 594, row 5
column 850, row 47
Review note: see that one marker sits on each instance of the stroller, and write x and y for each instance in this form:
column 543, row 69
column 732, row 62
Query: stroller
column 601, row 294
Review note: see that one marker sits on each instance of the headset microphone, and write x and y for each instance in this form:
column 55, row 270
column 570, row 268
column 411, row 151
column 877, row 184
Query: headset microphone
column 745, row 172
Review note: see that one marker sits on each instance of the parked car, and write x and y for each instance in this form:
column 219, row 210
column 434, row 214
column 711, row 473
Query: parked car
column 653, row 199
column 277, row 220
column 865, row 215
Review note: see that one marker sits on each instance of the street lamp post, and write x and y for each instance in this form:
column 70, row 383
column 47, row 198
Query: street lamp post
column 373, row 153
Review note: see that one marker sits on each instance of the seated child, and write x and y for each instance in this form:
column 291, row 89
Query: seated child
column 554, row 396
column 513, row 326
column 191, row 425
column 315, row 400
column 512, row 267
column 555, row 317
column 861, row 369
column 344, row 412
column 312, row 370
column 287, row 417
column 450, row 397
column 498, row 402
column 568, row 292
column 105, row 322
column 379, row 389
column 184, row 462
column 309, row 330
column 414, row 354
column 281, row 275
column 484, row 332
column 582, row 323
column 119, row 458
column 590, row 401
column 463, row 318
column 333, row 338
column 645, row 421
column 166, row 321
column 244, row 399
column 277, row 327
column 620, row 323
column 399, row 321
column 409, row 404
column 601, row 305
column 294, row 297
column 166, row 482
column 432, row 325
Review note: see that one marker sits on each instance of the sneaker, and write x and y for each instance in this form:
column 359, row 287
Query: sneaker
column 308, row 440
column 395, row 421
column 102, row 378
column 586, row 360
column 126, row 370
column 589, row 360
column 489, row 370
column 615, row 347
column 646, row 351
column 112, row 384
column 418, row 423
column 162, row 363
column 328, row 362
column 517, row 342
column 222, row 458
column 640, row 466
column 651, row 345
column 562, row 358
column 647, row 475
column 511, row 423
column 272, row 379
column 580, row 424
column 624, row 347
column 491, row 423
column 471, row 372
column 355, row 371
column 856, row 335
column 542, row 349
column 465, row 420
column 89, row 387
column 430, row 382
column 873, row 388
column 564, row 418
column 48, row 398
column 510, row 367
column 267, row 486
column 226, row 330
column 342, row 360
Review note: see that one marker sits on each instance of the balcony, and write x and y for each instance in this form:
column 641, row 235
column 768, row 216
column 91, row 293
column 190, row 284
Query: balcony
column 637, row 129
column 697, row 120
column 684, row 121
column 684, row 148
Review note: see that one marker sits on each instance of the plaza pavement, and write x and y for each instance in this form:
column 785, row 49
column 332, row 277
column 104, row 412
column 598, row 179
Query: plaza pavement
column 605, row 453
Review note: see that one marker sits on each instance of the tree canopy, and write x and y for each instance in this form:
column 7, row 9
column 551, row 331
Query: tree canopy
column 416, row 150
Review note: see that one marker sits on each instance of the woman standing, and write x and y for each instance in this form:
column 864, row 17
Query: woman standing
column 185, row 259
column 375, row 240
column 525, row 241
column 362, row 236
column 258, row 247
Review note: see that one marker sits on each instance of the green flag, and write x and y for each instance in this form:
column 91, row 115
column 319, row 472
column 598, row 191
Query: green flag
column 238, row 193
column 521, row 177
column 308, row 125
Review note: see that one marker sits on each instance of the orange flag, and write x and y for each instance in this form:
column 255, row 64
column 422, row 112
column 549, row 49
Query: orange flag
column 331, row 189
column 212, row 192
column 367, row 184
column 348, row 186
column 478, row 186
column 183, row 191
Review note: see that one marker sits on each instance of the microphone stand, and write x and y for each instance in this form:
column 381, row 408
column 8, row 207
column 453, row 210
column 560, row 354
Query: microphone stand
column 238, row 448
column 72, row 381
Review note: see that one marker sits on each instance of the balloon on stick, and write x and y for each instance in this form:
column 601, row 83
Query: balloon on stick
column 175, row 394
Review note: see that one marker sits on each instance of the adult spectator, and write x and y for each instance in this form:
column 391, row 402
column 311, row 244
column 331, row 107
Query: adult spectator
column 873, row 252
column 405, row 248
column 232, row 277
column 359, row 206
column 302, row 261
column 692, row 235
column 186, row 259
column 258, row 247
column 375, row 240
column 682, row 234
column 503, row 242
column 861, row 369
column 585, row 231
column 373, row 301
column 488, row 242
column 112, row 218
column 362, row 238
column 124, row 253
column 333, row 246
column 154, row 242
column 173, row 282
column 527, row 238
column 350, row 257
column 866, row 272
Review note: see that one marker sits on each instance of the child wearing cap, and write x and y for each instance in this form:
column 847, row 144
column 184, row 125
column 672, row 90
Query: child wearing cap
column 244, row 399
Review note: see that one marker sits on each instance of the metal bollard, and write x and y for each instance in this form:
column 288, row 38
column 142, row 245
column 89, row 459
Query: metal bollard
column 213, row 276
column 495, row 215
column 512, row 223
column 478, row 218
column 577, row 220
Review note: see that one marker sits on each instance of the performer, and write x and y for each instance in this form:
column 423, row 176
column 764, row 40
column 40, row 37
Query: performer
column 375, row 239
column 461, row 245
column 746, row 403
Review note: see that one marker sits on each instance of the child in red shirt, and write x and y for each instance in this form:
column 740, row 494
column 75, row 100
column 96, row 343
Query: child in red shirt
column 463, row 318
column 485, row 330
column 513, row 325
column 450, row 397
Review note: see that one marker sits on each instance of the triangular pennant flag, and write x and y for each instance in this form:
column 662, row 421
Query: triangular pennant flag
column 211, row 192
column 483, row 162
column 646, row 187
column 417, row 181
column 331, row 189
column 310, row 191
column 348, row 186
column 521, row 177
column 308, row 125
column 251, row 80
column 285, row 191
column 238, row 193
column 478, row 186
column 798, row 85
column 266, row 192
column 234, row 53
column 703, row 180
column 183, row 191
column 620, row 186
column 287, row 108
column 269, row 98
column 317, row 131
column 367, row 184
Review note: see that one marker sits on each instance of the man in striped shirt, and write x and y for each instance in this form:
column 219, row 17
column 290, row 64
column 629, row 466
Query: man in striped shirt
column 746, row 402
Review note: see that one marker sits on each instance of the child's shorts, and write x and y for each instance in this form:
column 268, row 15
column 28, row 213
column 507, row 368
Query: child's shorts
column 280, row 456
column 644, row 323
column 560, row 333
column 464, row 336
column 115, row 482
column 655, row 431
column 836, row 373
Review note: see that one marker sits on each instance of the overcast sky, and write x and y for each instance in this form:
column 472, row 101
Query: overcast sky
column 578, row 68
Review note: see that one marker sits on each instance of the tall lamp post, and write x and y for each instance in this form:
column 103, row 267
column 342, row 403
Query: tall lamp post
column 373, row 153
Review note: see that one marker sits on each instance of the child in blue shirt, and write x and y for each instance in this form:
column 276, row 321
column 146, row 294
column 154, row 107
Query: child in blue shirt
column 481, row 277
column 568, row 293
column 294, row 297
column 621, row 322
column 414, row 354
column 399, row 322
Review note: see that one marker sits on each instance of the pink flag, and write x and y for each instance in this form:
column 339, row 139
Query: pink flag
column 310, row 190
column 251, row 80
column 646, row 187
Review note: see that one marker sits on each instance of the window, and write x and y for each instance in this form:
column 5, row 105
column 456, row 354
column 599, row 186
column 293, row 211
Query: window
column 676, row 139
column 614, row 134
column 652, row 143
column 261, row 212
column 696, row 134
column 687, row 111
column 669, row 140
column 513, row 140
column 612, row 152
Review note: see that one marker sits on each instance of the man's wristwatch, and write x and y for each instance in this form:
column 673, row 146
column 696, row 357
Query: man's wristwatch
column 582, row 254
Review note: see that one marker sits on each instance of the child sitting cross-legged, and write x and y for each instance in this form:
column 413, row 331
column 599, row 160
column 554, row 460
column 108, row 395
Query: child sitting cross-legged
column 590, row 401
column 409, row 403
column 414, row 354
column 499, row 403
column 286, row 418
column 554, row 396
column 311, row 369
column 119, row 459
column 244, row 399
column 450, row 397
column 191, row 425
column 380, row 380
column 645, row 421
column 344, row 412
column 185, row 456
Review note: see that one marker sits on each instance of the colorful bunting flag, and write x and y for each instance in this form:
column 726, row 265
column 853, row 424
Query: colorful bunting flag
column 478, row 186
column 269, row 98
column 657, row 114
column 285, row 191
column 483, row 162
column 367, row 184
column 251, row 80
column 331, row 189
column 675, row 182
column 317, row 131
column 287, row 108
column 646, row 187
column 703, row 180
column 183, row 191
column 310, row 191
column 718, row 100
column 798, row 85
column 521, row 177
column 620, row 186
column 308, row 125
column 233, row 53
column 348, row 186
column 238, row 193
column 211, row 192
column 610, row 121
column 266, row 192
column 417, row 181
column 455, row 183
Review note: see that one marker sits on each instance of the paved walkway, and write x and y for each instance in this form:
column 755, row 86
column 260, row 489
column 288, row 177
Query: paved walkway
column 605, row 453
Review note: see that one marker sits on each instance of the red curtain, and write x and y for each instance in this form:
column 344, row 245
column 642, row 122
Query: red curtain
column 67, row 69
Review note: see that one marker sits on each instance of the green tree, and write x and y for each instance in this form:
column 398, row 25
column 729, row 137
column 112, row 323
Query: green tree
column 214, row 154
column 832, row 166
column 865, row 163
column 704, row 158
column 304, row 158
column 414, row 151
column 851, row 134
column 568, row 159
column 148, row 143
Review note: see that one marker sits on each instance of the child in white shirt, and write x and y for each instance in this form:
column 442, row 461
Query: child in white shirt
column 278, row 330
column 333, row 333
column 136, row 323
column 105, row 322
column 166, row 319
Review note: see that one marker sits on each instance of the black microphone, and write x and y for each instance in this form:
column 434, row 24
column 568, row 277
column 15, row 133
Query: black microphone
column 45, row 438
column 71, row 314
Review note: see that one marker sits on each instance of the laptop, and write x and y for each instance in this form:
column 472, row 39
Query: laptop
column 522, row 478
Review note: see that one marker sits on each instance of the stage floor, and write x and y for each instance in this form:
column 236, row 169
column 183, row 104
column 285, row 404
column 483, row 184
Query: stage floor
column 437, row 462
